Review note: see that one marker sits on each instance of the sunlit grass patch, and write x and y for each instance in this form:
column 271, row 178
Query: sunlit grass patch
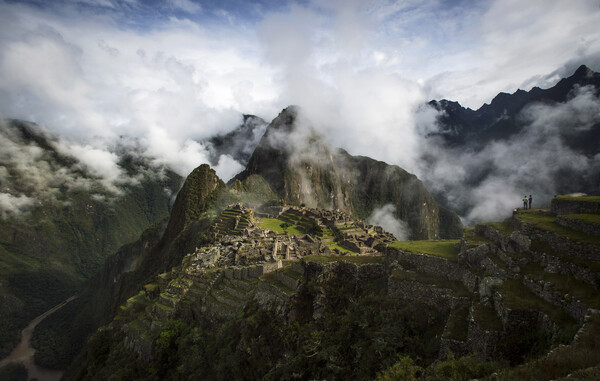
column 277, row 225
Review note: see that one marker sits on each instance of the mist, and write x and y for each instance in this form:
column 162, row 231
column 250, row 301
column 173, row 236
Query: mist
column 487, row 184
column 384, row 217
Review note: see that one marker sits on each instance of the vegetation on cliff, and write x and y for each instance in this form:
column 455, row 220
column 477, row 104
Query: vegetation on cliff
column 472, row 305
column 72, row 221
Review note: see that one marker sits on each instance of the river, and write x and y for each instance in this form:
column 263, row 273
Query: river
column 23, row 353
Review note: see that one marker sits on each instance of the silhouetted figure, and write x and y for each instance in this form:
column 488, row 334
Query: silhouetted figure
column 530, row 199
column 525, row 202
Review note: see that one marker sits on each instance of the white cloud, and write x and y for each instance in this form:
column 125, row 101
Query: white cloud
column 14, row 205
column 91, row 71
column 384, row 217
column 515, row 43
column 99, row 163
column 488, row 184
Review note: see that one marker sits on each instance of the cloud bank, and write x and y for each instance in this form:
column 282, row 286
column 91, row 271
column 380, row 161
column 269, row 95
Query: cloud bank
column 172, row 76
column 489, row 183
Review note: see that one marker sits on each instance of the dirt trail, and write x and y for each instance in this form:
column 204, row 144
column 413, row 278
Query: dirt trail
column 23, row 353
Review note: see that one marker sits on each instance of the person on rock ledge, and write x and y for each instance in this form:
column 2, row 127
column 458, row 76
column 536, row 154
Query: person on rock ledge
column 525, row 202
column 530, row 199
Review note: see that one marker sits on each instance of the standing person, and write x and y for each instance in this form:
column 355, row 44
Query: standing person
column 525, row 202
column 530, row 199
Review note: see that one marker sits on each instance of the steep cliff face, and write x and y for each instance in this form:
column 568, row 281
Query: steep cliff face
column 200, row 188
column 158, row 249
column 302, row 169
column 294, row 159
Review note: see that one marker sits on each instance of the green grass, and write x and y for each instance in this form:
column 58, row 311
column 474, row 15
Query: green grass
column 473, row 239
column 486, row 317
column 457, row 326
column 590, row 218
column 547, row 222
column 333, row 245
column 584, row 198
column 518, row 297
column 356, row 259
column 458, row 288
column 441, row 248
column 274, row 224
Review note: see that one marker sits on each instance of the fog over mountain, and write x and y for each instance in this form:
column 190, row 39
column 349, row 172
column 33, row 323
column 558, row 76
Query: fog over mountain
column 169, row 77
column 542, row 142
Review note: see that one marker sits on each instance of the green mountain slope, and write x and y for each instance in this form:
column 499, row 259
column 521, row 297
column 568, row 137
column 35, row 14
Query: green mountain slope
column 59, row 221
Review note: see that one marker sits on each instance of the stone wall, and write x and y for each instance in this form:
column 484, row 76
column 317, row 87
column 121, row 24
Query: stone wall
column 457, row 347
column 579, row 225
column 481, row 341
column 288, row 281
column 555, row 265
column 432, row 265
column 271, row 297
column 516, row 321
column 413, row 291
column 571, row 305
column 573, row 206
column 516, row 242
column 370, row 272
column 562, row 244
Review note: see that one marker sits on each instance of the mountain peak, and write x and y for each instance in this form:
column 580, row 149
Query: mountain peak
column 583, row 72
column 286, row 120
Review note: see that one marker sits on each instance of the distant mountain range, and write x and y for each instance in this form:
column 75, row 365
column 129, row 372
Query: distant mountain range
column 502, row 118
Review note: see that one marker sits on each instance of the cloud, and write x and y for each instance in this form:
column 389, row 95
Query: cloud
column 173, row 75
column 11, row 205
column 384, row 217
column 92, row 83
column 99, row 163
column 541, row 160
column 516, row 45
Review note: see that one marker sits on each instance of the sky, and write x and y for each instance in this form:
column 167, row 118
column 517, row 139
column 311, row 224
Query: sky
column 170, row 73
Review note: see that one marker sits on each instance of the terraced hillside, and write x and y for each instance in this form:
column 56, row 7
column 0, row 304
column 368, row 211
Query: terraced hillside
column 518, row 298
